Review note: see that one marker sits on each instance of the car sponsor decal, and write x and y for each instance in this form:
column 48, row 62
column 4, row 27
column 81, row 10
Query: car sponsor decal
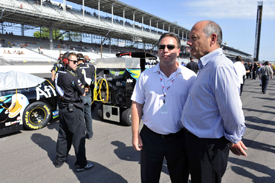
column 135, row 73
column 117, row 73
column 46, row 93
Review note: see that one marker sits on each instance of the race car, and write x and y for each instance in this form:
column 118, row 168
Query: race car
column 26, row 101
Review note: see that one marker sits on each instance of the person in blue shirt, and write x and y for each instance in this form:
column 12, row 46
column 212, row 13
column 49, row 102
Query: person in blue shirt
column 212, row 116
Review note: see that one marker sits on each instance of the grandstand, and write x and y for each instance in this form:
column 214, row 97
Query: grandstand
column 130, row 25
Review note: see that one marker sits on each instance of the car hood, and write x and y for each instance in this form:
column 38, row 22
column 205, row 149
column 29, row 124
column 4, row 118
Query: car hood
column 18, row 80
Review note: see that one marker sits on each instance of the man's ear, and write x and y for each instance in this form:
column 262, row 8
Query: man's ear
column 178, row 52
column 213, row 40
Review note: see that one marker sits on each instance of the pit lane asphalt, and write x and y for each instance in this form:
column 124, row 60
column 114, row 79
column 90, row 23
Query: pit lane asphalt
column 28, row 156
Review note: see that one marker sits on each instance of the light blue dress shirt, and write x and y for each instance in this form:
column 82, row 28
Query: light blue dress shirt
column 213, row 108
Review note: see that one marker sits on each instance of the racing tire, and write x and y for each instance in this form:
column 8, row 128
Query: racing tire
column 126, row 117
column 36, row 115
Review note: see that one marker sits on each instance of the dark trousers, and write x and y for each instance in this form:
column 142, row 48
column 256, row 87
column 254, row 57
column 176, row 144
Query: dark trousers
column 88, row 114
column 71, row 132
column 254, row 75
column 248, row 75
column 207, row 158
column 155, row 148
column 241, row 89
column 265, row 80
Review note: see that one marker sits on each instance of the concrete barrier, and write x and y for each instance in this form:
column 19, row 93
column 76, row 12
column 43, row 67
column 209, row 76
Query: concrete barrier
column 32, row 69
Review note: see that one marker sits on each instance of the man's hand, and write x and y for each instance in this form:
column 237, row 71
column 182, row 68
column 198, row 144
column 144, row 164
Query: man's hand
column 238, row 149
column 137, row 143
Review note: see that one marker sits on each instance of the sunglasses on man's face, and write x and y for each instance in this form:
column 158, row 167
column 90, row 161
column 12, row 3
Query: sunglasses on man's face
column 74, row 61
column 169, row 46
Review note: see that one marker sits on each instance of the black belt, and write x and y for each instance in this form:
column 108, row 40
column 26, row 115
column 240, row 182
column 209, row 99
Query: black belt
column 161, row 135
column 185, row 129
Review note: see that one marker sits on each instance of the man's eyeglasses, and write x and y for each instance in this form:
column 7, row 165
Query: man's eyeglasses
column 74, row 61
column 169, row 46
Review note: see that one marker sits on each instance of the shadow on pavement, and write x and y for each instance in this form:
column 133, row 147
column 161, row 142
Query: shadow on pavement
column 259, row 145
column 264, row 98
column 260, row 111
column 98, row 174
column 255, row 167
column 128, row 153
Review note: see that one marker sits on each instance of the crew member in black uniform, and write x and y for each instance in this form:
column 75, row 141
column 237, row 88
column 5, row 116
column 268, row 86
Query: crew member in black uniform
column 57, row 66
column 71, row 118
column 86, row 74
column 192, row 65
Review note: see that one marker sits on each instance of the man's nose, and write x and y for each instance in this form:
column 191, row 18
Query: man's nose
column 165, row 49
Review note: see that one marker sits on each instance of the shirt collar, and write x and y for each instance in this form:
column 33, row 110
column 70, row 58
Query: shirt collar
column 203, row 61
column 179, row 70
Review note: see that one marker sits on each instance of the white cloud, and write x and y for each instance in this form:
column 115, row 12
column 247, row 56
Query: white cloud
column 244, row 9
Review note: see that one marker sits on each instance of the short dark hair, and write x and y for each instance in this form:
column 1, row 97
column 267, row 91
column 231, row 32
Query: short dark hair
column 212, row 27
column 266, row 63
column 71, row 54
column 170, row 35
column 238, row 58
column 191, row 58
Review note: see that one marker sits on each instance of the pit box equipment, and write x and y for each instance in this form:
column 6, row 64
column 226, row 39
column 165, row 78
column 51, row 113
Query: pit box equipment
column 116, row 79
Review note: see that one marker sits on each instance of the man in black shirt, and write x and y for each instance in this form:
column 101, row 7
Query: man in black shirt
column 248, row 74
column 193, row 65
column 86, row 74
column 57, row 66
column 71, row 118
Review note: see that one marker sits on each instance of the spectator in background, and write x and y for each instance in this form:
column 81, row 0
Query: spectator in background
column 254, row 70
column 264, row 74
column 248, row 75
column 87, row 59
column 241, row 72
column 21, row 6
column 247, row 70
column 193, row 65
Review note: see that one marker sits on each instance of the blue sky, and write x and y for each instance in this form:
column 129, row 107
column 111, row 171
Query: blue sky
column 237, row 18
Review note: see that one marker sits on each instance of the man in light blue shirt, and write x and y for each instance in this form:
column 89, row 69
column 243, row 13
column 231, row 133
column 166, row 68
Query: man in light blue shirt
column 212, row 116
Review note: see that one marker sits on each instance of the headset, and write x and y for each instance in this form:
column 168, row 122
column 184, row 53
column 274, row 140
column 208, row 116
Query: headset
column 80, row 58
column 65, row 58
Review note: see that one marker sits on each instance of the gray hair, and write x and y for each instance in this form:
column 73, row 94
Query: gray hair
column 210, row 28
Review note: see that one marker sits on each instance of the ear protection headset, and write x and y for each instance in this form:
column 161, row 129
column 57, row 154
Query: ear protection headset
column 83, row 59
column 65, row 58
